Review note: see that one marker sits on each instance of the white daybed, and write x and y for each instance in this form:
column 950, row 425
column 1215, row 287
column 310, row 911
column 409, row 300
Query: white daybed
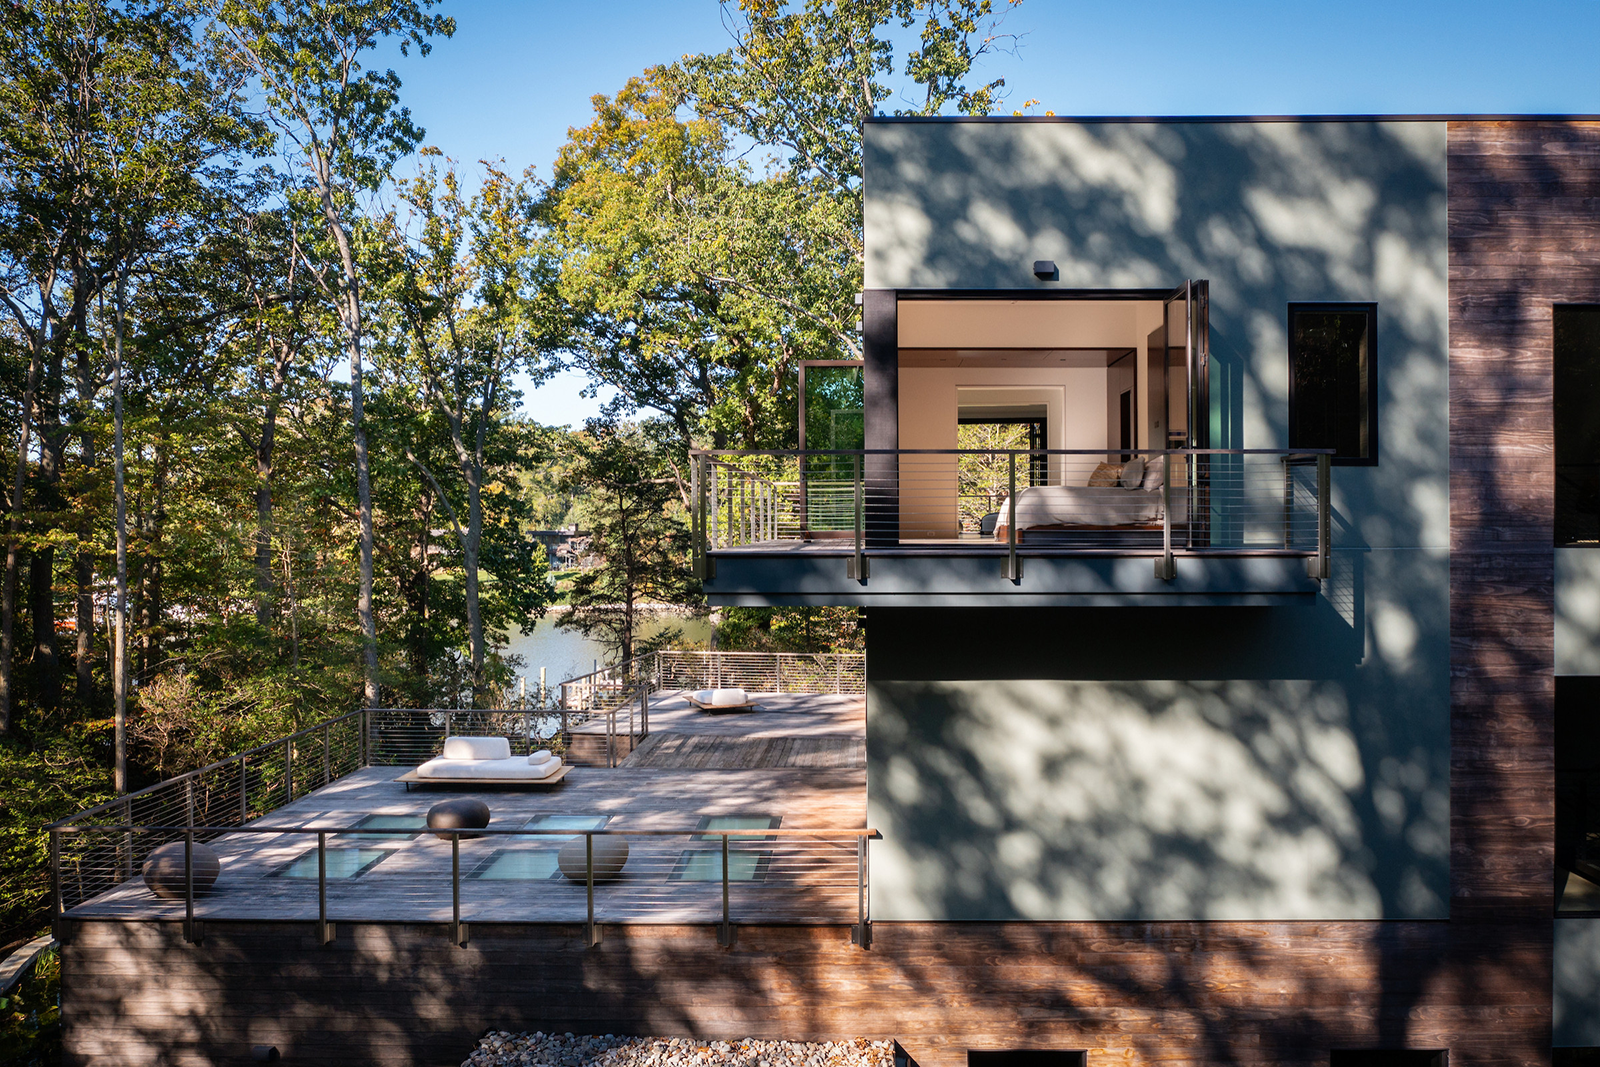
column 486, row 761
column 720, row 700
column 1134, row 501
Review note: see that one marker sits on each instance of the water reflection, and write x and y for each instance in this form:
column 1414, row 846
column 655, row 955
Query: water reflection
column 567, row 653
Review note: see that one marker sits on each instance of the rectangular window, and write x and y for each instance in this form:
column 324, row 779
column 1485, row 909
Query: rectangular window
column 1577, row 419
column 1577, row 796
column 1333, row 396
column 1389, row 1057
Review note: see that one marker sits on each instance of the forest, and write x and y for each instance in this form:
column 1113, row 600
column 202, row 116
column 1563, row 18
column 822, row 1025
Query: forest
column 262, row 351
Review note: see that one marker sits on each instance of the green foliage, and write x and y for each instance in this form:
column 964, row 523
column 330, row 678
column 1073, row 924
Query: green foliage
column 638, row 527
column 791, row 630
column 30, row 1018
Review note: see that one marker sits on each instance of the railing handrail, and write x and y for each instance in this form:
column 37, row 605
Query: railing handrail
column 275, row 743
column 779, row 453
column 482, row 831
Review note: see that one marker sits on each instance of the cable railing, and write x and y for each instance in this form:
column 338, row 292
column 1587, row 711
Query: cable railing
column 1122, row 502
column 102, row 850
column 331, row 872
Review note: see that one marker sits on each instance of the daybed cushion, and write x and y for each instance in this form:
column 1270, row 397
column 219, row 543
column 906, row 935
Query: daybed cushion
column 721, row 698
column 1105, row 476
column 541, row 756
column 514, row 767
column 477, row 748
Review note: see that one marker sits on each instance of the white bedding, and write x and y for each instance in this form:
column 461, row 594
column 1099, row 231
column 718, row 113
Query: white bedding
column 516, row 767
column 1082, row 505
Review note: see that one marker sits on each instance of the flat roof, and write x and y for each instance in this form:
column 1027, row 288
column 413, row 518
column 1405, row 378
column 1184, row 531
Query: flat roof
column 1173, row 119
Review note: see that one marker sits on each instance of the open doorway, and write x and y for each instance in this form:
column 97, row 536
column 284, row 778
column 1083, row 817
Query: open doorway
column 1106, row 379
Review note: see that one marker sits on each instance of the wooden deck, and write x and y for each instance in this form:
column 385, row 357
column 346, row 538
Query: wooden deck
column 800, row 758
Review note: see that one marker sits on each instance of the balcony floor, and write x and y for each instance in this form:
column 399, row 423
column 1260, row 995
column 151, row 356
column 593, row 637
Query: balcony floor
column 802, row 758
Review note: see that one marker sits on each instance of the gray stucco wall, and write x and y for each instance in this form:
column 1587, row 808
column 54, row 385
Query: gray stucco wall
column 1577, row 983
column 1184, row 763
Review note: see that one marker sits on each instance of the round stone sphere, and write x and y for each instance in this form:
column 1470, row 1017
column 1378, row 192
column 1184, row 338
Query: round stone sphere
column 163, row 870
column 610, row 854
column 462, row 813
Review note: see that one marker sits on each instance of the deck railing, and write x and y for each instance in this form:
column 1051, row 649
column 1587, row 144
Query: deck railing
column 332, row 872
column 1226, row 502
column 104, row 847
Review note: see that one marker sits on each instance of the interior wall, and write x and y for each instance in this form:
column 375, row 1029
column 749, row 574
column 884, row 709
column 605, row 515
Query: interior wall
column 1025, row 323
column 928, row 409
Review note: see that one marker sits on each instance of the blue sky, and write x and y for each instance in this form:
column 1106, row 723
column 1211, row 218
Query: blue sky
column 518, row 73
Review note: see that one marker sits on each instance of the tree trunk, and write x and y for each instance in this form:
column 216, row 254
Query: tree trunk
column 264, row 582
column 119, row 654
column 8, row 600
column 42, row 606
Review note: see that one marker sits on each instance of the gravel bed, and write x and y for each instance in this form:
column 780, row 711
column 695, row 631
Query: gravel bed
column 538, row 1049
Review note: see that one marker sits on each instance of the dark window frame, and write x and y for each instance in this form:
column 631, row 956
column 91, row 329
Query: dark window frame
column 1369, row 376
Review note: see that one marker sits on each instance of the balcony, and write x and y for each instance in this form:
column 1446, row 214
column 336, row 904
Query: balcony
column 935, row 527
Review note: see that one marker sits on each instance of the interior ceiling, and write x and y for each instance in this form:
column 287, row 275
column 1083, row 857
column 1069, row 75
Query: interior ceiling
column 1011, row 357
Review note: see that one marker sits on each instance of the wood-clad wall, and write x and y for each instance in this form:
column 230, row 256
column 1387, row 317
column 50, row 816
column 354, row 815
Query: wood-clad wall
column 1524, row 235
column 1195, row 994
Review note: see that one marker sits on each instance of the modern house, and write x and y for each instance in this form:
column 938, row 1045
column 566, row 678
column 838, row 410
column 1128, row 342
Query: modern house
column 1282, row 747
column 1224, row 498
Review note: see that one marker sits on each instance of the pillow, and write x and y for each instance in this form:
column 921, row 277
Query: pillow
column 1132, row 473
column 477, row 748
column 1105, row 476
column 726, row 697
column 1153, row 473
column 541, row 756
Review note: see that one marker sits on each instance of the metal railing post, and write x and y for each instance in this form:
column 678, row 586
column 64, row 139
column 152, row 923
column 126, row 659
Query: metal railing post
column 244, row 790
column 858, row 562
column 56, row 909
column 1288, row 500
column 458, row 932
column 327, row 762
column 1166, row 566
column 862, row 935
column 1013, row 568
column 324, row 935
column 592, row 935
column 364, row 745
column 188, row 887
column 725, row 938
column 1324, row 518
column 127, row 840
column 288, row 770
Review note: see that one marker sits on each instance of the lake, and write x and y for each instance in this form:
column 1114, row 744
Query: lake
column 566, row 653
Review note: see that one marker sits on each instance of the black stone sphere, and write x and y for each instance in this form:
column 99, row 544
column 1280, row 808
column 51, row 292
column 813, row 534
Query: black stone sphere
column 163, row 870
column 462, row 813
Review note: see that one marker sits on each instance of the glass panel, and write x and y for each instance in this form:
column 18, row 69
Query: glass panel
column 834, row 404
column 1577, row 795
column 1327, row 366
column 410, row 823
column 566, row 822
column 740, row 822
column 519, row 865
column 342, row 863
column 705, row 865
column 834, row 401
column 1577, row 409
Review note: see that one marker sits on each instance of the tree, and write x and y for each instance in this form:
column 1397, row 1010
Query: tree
column 347, row 123
column 467, row 293
column 631, row 510
column 660, row 234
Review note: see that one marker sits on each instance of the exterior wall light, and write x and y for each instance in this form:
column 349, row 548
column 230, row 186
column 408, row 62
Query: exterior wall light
column 1044, row 269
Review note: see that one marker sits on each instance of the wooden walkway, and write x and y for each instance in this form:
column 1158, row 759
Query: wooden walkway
column 801, row 760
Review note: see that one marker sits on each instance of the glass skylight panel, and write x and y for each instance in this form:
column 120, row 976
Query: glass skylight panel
column 409, row 825
column 518, row 865
column 705, row 865
column 565, row 822
column 739, row 822
column 341, row 863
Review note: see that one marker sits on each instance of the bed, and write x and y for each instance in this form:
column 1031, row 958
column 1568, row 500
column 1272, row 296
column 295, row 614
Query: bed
column 469, row 761
column 1100, row 506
